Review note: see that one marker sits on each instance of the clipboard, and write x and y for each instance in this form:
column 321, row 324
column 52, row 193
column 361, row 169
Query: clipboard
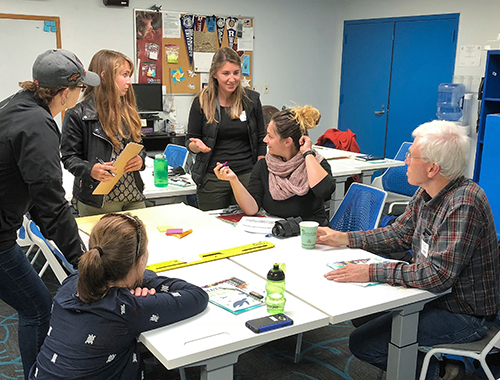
column 131, row 150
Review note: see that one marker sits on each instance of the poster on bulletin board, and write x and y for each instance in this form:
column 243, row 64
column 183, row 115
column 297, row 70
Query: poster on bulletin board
column 176, row 48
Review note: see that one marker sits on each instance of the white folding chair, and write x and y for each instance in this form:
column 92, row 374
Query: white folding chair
column 476, row 350
column 54, row 258
column 23, row 240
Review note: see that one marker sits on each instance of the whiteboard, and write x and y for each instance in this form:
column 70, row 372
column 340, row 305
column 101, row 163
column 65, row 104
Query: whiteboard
column 19, row 52
column 23, row 40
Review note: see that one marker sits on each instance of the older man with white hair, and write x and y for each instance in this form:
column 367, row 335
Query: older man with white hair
column 449, row 226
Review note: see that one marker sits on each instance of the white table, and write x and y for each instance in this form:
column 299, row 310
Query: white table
column 344, row 166
column 305, row 283
column 151, row 192
column 344, row 301
column 215, row 338
column 209, row 234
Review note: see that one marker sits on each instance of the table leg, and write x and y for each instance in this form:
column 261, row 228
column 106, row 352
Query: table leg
column 217, row 374
column 220, row 367
column 298, row 348
column 366, row 176
column 402, row 358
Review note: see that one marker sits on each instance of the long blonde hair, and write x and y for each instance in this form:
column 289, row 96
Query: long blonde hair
column 114, row 110
column 208, row 96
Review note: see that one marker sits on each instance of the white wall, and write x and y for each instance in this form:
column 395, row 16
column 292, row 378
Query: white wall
column 298, row 43
column 293, row 42
column 477, row 25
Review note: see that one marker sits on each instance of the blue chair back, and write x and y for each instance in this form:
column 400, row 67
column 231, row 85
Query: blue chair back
column 395, row 180
column 176, row 155
column 360, row 209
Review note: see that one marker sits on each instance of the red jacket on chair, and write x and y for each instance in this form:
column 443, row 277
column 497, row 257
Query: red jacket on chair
column 342, row 140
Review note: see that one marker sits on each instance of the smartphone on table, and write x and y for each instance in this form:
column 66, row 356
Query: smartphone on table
column 270, row 322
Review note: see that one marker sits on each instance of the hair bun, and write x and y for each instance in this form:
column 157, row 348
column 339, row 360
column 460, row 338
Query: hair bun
column 306, row 116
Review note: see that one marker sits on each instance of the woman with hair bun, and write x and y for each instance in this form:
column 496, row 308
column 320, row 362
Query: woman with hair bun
column 99, row 312
column 293, row 180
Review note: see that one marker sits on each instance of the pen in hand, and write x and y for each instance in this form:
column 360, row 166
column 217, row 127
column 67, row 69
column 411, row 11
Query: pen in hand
column 103, row 163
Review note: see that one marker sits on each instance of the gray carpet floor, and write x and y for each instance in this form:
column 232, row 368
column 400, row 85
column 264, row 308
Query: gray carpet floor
column 325, row 355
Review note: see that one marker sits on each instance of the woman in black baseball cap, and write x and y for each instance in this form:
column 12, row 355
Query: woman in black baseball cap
column 31, row 181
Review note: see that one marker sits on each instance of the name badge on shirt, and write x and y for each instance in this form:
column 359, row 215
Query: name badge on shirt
column 243, row 116
column 424, row 246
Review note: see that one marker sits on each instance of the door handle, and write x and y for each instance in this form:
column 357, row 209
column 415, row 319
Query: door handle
column 379, row 112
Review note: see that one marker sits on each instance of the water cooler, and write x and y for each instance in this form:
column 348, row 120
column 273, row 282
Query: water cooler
column 454, row 105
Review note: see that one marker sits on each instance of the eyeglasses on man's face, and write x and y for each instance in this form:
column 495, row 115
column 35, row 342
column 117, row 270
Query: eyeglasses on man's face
column 82, row 86
column 409, row 156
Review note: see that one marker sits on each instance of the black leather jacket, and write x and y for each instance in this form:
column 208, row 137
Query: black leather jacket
column 255, row 127
column 83, row 139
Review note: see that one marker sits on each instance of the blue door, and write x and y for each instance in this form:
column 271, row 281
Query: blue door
column 364, row 87
column 391, row 69
column 424, row 57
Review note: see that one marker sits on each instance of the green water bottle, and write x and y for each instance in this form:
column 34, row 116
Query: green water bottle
column 161, row 170
column 275, row 289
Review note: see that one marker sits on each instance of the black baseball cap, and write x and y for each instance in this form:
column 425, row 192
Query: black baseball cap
column 61, row 68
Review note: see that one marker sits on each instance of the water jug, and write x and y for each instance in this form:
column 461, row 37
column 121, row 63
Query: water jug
column 450, row 101
column 161, row 170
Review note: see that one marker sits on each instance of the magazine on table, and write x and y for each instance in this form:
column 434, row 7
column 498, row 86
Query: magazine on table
column 369, row 157
column 257, row 225
column 234, row 295
column 372, row 260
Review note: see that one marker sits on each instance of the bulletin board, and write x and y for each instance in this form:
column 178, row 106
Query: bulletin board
column 164, row 54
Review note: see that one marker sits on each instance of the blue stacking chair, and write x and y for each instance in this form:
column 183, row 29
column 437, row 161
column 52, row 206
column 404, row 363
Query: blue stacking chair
column 176, row 155
column 54, row 258
column 360, row 209
column 395, row 181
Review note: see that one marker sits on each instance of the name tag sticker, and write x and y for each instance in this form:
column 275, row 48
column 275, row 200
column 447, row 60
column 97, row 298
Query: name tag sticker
column 424, row 247
column 423, row 242
column 243, row 116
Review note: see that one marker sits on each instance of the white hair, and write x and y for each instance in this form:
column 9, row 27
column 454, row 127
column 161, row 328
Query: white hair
column 444, row 143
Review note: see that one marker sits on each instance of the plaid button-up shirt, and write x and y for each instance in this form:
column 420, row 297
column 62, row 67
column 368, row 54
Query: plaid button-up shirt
column 456, row 229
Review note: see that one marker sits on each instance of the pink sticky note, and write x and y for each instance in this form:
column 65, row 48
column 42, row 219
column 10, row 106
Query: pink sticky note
column 174, row 231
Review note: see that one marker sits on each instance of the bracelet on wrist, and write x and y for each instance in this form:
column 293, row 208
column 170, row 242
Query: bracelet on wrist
column 305, row 154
